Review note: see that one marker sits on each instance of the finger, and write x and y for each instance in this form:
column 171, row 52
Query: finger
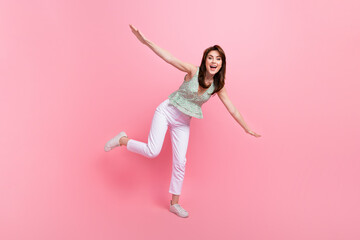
column 133, row 28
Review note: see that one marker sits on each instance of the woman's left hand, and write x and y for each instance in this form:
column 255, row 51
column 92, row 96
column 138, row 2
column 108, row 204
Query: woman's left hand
column 252, row 133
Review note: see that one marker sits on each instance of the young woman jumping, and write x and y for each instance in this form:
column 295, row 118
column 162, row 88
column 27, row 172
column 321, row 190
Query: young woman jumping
column 176, row 112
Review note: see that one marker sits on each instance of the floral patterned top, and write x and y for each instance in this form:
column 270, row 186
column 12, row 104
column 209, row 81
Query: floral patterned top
column 187, row 99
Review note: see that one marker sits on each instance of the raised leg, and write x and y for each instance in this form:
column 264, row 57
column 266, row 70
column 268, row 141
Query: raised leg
column 152, row 148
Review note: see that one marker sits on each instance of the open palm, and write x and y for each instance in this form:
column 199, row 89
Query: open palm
column 254, row 134
column 138, row 34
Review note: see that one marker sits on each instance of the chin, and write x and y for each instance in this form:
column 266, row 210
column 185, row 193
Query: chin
column 212, row 72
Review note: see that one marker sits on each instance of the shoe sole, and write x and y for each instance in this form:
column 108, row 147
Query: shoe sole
column 179, row 214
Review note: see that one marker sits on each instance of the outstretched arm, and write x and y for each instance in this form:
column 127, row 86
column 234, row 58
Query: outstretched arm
column 165, row 55
column 234, row 112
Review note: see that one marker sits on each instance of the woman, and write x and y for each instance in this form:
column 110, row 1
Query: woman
column 178, row 109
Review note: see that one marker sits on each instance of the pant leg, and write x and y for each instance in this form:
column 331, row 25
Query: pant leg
column 179, row 138
column 152, row 148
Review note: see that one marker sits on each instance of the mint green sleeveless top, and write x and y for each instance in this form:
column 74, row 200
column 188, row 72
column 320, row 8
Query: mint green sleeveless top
column 186, row 98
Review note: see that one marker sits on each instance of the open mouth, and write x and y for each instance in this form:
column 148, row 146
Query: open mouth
column 213, row 67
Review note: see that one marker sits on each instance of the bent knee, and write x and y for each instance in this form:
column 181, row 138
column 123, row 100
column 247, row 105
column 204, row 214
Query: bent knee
column 153, row 154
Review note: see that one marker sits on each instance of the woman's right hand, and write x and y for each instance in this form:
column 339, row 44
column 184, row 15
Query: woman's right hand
column 165, row 55
column 138, row 34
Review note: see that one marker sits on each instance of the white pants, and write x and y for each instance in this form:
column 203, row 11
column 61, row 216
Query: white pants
column 166, row 115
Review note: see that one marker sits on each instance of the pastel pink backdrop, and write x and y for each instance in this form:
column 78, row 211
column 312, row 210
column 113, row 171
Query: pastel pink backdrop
column 73, row 75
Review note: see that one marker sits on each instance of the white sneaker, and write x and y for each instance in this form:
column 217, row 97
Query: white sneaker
column 114, row 142
column 178, row 210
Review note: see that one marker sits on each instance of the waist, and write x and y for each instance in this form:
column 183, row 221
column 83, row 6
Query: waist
column 168, row 108
column 187, row 107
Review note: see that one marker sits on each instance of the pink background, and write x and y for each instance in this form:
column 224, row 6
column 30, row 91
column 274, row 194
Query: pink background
column 73, row 75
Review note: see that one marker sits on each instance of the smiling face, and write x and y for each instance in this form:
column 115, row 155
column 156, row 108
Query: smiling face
column 213, row 62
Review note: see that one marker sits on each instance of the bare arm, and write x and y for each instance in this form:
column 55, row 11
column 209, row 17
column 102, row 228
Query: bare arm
column 165, row 55
column 234, row 112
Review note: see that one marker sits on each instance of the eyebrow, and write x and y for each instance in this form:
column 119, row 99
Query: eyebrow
column 213, row 56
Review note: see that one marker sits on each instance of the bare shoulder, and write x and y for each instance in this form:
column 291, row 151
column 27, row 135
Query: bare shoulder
column 191, row 73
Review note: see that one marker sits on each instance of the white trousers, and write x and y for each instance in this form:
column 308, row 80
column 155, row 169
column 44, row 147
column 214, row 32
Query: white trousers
column 166, row 115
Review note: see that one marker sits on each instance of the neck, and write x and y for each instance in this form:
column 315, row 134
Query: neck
column 208, row 76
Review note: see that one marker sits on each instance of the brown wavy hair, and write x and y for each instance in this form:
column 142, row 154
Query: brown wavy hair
column 219, row 77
